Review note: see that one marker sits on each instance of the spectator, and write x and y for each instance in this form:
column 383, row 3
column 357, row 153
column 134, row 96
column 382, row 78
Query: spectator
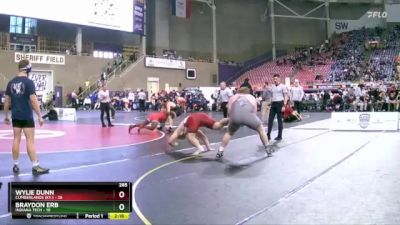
column 266, row 98
column 87, row 103
column 103, row 77
column 87, row 83
column 131, row 98
column 52, row 114
column 248, row 85
column 214, row 97
column 297, row 95
column 74, row 99
column 109, row 68
column 142, row 100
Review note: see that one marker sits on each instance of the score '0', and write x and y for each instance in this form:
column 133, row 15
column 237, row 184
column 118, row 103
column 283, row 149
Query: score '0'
column 121, row 194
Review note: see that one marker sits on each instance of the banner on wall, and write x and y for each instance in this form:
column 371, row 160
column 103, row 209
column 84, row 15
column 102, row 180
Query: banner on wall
column 340, row 26
column 43, row 80
column 392, row 11
column 68, row 114
column 373, row 121
column 26, row 39
column 165, row 63
column 181, row 8
column 40, row 58
column 138, row 17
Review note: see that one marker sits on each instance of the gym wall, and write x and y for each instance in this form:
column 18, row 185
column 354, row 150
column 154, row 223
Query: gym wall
column 64, row 31
column 137, row 77
column 241, row 32
column 70, row 76
column 91, row 34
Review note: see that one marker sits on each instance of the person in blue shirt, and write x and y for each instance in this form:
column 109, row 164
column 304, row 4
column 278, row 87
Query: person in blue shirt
column 21, row 96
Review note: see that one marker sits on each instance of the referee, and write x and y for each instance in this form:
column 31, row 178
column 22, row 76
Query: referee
column 104, row 97
column 224, row 94
column 279, row 100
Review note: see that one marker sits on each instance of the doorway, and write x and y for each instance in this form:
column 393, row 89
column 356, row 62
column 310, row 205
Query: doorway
column 153, row 85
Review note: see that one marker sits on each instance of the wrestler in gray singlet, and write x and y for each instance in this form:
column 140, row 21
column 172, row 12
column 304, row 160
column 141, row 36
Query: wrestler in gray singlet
column 241, row 114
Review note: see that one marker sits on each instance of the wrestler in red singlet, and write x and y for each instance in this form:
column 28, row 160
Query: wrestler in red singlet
column 288, row 112
column 197, row 120
column 160, row 117
column 190, row 127
column 153, row 121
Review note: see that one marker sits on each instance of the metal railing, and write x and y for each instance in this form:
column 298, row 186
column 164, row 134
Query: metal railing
column 119, row 73
column 116, row 72
column 44, row 51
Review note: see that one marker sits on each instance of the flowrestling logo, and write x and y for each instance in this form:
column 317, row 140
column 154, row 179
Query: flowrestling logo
column 364, row 120
column 377, row 15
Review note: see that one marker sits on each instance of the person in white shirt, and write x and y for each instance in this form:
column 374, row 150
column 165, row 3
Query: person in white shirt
column 131, row 99
column 224, row 94
column 297, row 95
column 142, row 100
column 87, row 103
column 74, row 99
column 131, row 96
column 382, row 87
column 104, row 98
column 279, row 101
column 358, row 91
column 214, row 96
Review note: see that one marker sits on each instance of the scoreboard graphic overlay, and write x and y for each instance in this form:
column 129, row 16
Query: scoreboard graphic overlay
column 70, row 200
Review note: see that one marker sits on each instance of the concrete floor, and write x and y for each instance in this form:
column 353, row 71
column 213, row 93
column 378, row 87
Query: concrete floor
column 317, row 176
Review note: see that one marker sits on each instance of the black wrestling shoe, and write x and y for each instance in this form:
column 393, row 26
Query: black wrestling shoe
column 15, row 169
column 220, row 154
column 37, row 170
column 278, row 138
column 110, row 125
column 130, row 128
column 269, row 150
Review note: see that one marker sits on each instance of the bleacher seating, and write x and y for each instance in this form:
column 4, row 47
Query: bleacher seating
column 348, row 61
column 264, row 73
column 309, row 73
column 385, row 61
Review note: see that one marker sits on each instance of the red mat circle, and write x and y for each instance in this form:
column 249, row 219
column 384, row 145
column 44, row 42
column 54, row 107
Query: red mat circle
column 80, row 137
